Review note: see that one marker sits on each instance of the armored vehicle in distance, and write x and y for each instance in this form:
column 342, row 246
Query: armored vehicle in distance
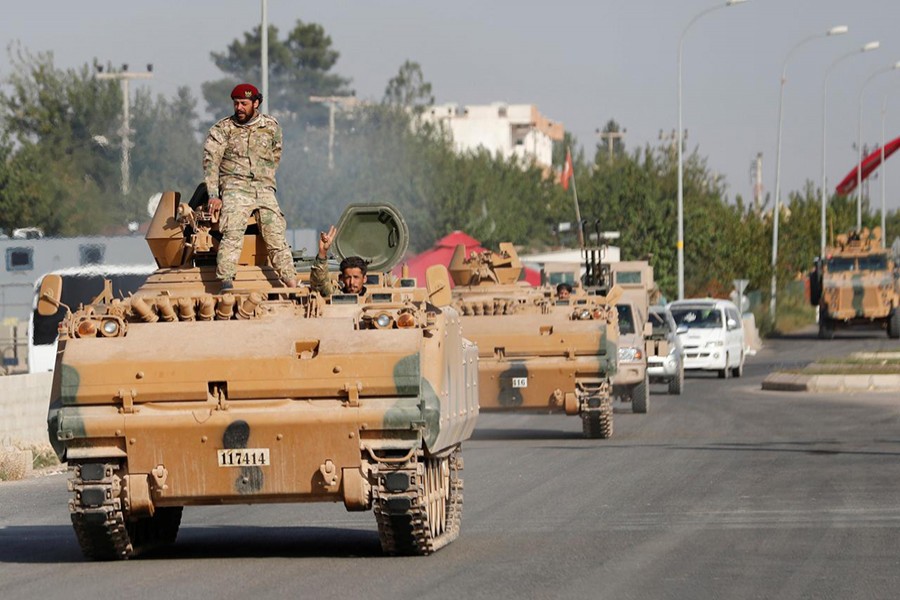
column 184, row 395
column 856, row 284
column 536, row 352
column 639, row 291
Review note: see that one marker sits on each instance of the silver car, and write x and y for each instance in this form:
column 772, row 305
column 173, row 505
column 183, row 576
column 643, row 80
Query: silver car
column 665, row 353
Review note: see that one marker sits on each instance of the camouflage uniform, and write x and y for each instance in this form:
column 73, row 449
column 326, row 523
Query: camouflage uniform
column 239, row 164
column 319, row 279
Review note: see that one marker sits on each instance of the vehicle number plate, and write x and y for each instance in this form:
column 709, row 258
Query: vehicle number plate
column 244, row 457
column 520, row 382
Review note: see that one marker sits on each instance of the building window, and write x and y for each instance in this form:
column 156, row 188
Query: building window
column 19, row 259
column 91, row 254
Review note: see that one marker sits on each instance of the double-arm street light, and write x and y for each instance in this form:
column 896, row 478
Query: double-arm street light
column 837, row 30
column 680, row 141
column 865, row 48
column 892, row 67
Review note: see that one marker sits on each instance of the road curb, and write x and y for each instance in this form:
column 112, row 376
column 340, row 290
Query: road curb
column 798, row 382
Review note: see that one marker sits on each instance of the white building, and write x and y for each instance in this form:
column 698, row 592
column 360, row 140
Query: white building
column 505, row 129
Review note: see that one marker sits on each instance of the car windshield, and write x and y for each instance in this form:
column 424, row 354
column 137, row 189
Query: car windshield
column 697, row 317
column 626, row 318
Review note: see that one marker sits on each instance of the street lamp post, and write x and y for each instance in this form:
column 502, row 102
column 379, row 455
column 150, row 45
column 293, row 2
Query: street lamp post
column 883, row 171
column 680, row 141
column 892, row 67
column 837, row 30
column 865, row 48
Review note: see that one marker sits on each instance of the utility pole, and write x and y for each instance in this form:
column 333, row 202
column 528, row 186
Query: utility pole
column 611, row 137
column 124, row 76
column 333, row 102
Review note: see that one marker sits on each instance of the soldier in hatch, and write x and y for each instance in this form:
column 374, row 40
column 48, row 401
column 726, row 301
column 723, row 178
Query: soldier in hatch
column 240, row 157
column 353, row 270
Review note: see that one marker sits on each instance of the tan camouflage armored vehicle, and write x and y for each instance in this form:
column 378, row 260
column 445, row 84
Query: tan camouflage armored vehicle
column 856, row 284
column 632, row 381
column 536, row 353
column 181, row 395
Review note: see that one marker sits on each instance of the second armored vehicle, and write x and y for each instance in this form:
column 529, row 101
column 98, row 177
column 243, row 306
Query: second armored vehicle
column 536, row 352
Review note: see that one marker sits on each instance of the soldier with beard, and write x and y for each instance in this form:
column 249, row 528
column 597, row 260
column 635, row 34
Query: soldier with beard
column 240, row 157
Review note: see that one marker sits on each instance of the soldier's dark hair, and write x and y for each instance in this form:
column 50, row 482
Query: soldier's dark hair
column 564, row 286
column 354, row 262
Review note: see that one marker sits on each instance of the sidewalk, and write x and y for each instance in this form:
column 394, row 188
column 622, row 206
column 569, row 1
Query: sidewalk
column 798, row 382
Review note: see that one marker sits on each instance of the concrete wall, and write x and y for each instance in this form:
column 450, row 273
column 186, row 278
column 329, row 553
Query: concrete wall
column 23, row 409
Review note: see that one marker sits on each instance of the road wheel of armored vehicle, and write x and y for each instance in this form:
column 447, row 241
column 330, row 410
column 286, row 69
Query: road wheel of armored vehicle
column 893, row 328
column 826, row 328
column 676, row 384
column 418, row 507
column 103, row 529
column 598, row 423
column 640, row 396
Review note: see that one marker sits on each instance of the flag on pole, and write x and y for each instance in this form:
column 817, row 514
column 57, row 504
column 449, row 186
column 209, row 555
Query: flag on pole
column 568, row 171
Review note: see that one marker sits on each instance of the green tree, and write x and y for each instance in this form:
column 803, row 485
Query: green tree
column 299, row 67
column 63, row 156
column 408, row 89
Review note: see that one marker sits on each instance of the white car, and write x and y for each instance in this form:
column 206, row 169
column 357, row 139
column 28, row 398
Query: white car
column 665, row 352
column 714, row 340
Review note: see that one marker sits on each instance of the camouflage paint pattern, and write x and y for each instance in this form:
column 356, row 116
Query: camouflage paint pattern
column 859, row 283
column 532, row 352
column 326, row 393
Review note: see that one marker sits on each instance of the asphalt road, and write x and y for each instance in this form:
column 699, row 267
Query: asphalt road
column 725, row 492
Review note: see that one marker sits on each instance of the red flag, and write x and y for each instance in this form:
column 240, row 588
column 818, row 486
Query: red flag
column 567, row 172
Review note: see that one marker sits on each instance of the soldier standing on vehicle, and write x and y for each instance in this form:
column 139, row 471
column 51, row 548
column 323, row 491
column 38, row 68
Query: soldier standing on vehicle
column 240, row 157
column 353, row 270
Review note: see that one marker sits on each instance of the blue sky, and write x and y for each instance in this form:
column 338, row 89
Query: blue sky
column 581, row 63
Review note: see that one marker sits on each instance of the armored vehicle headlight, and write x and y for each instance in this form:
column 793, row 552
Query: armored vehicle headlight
column 583, row 314
column 406, row 321
column 383, row 321
column 87, row 329
column 110, row 328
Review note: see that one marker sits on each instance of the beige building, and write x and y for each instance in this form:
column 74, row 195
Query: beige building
column 506, row 129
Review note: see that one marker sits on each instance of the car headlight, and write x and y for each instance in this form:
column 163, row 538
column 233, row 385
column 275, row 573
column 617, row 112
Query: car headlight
column 715, row 343
column 630, row 354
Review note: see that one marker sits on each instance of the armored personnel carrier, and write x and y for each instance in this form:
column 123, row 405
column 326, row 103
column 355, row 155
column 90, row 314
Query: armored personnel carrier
column 856, row 284
column 536, row 352
column 182, row 395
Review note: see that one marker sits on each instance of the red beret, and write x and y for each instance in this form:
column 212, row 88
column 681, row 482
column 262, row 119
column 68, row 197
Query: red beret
column 245, row 91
